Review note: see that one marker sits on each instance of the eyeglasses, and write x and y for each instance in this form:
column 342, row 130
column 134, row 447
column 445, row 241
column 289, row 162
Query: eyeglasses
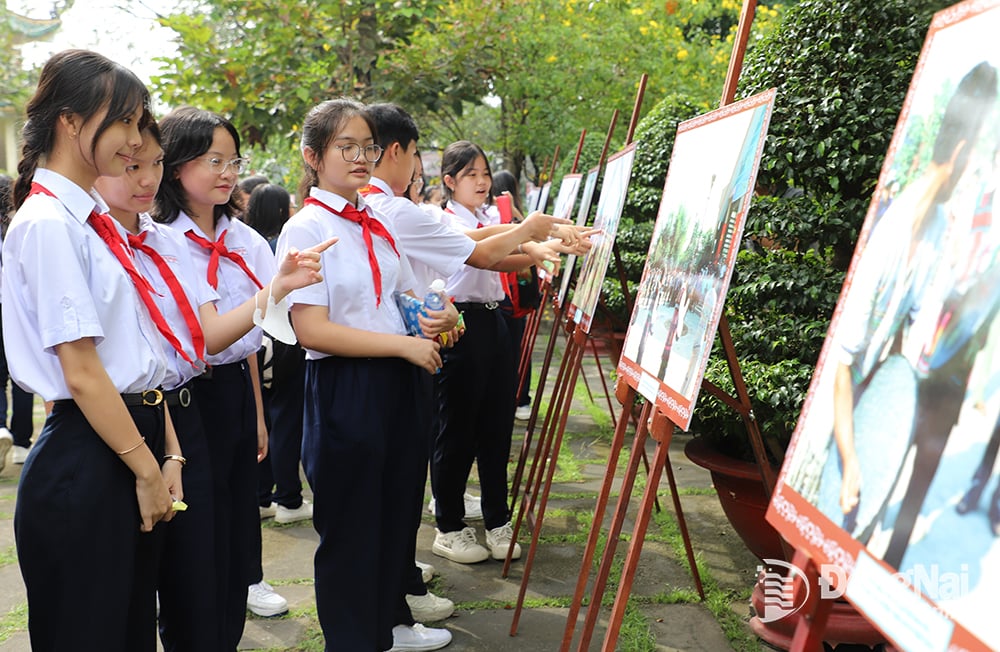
column 352, row 152
column 218, row 166
column 417, row 183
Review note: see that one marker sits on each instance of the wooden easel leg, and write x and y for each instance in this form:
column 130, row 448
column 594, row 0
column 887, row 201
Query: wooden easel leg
column 549, row 463
column 614, row 531
column 604, row 382
column 682, row 523
column 535, row 405
column 543, row 444
column 809, row 631
column 595, row 529
column 635, row 549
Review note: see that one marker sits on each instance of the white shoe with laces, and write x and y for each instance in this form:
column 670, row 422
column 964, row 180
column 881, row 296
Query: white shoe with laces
column 460, row 546
column 6, row 441
column 285, row 515
column 416, row 637
column 263, row 601
column 499, row 539
column 429, row 608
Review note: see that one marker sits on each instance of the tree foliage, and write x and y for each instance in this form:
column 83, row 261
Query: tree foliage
column 841, row 85
column 548, row 68
column 265, row 63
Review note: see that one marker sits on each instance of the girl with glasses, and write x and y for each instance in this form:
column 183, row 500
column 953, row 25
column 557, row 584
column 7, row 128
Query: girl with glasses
column 362, row 379
column 201, row 165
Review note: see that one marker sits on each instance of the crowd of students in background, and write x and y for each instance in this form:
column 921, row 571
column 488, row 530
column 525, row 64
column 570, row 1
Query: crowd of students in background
column 200, row 342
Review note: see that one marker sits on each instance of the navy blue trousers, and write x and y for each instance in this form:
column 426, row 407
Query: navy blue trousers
column 90, row 573
column 22, row 404
column 189, row 607
column 228, row 416
column 358, row 447
column 476, row 411
column 280, row 481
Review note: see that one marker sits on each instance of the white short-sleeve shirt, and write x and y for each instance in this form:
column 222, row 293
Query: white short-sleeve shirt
column 470, row 284
column 64, row 284
column 434, row 250
column 173, row 248
column 348, row 290
column 235, row 287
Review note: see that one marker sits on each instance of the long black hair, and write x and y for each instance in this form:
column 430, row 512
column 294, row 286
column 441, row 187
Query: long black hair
column 187, row 134
column 77, row 82
column 268, row 209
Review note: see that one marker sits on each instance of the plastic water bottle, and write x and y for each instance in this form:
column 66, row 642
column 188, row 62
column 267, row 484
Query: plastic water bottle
column 434, row 299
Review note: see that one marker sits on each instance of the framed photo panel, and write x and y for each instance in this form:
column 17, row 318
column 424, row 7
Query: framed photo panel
column 565, row 200
column 713, row 169
column 889, row 482
column 617, row 174
column 586, row 199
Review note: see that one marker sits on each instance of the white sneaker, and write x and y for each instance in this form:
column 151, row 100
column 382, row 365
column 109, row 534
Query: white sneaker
column 269, row 511
column 473, row 507
column 6, row 441
column 19, row 454
column 427, row 571
column 460, row 546
column 429, row 608
column 417, row 637
column 263, row 601
column 499, row 539
column 303, row 512
column 522, row 412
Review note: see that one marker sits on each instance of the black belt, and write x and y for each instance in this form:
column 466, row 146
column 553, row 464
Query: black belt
column 471, row 305
column 179, row 397
column 148, row 398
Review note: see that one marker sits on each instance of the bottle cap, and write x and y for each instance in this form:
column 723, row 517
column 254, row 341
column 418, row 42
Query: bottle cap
column 437, row 285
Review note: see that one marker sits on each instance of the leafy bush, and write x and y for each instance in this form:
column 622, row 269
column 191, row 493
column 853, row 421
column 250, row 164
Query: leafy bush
column 842, row 70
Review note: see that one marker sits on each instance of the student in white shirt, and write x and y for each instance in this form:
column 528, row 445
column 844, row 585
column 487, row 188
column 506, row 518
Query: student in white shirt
column 361, row 397
column 202, row 163
column 79, row 332
column 189, row 610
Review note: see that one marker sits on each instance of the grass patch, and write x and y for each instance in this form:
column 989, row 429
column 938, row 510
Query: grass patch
column 718, row 600
column 15, row 620
column 635, row 634
column 8, row 556
column 569, row 468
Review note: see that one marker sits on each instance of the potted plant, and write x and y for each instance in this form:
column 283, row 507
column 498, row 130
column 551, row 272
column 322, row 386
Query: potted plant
column 840, row 84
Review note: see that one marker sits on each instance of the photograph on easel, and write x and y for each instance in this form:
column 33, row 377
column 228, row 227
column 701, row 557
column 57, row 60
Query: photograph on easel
column 583, row 212
column 713, row 169
column 563, row 208
column 617, row 174
column 890, row 474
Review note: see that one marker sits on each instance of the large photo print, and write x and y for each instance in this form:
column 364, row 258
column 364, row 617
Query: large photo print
column 713, row 168
column 890, row 474
column 614, row 188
